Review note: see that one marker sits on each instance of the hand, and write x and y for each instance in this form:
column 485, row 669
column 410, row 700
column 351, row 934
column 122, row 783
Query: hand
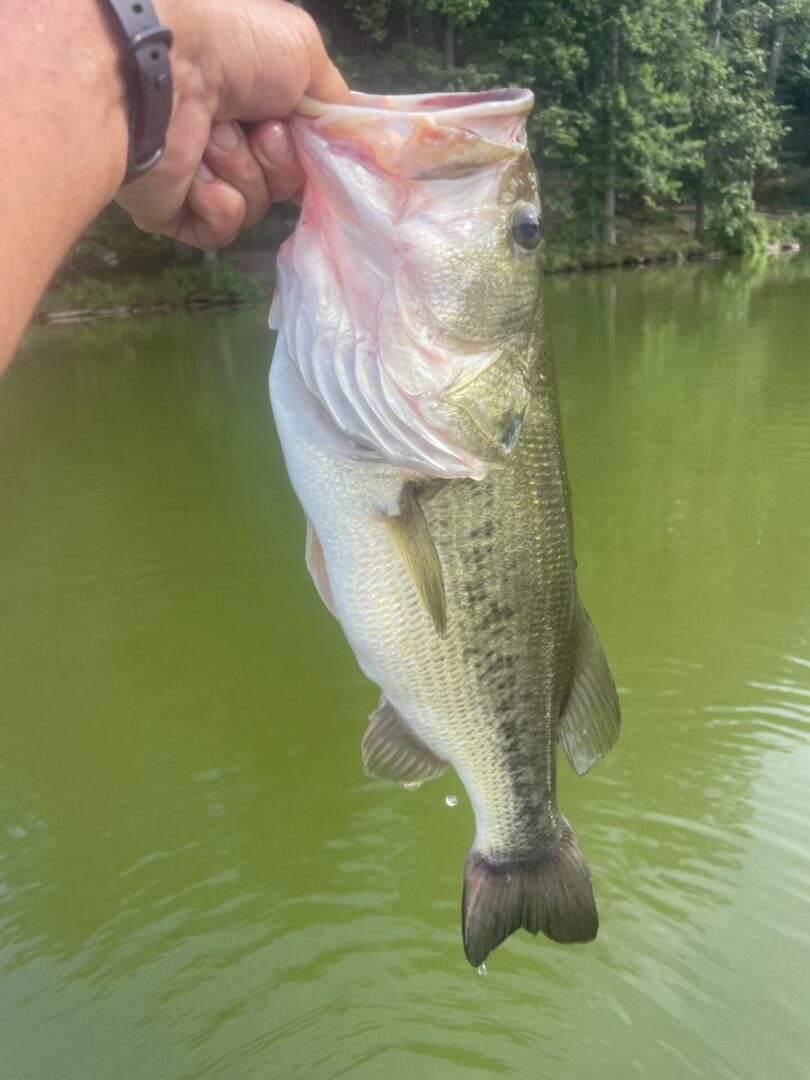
column 239, row 68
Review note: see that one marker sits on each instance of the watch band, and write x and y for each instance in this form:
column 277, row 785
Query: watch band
column 148, row 76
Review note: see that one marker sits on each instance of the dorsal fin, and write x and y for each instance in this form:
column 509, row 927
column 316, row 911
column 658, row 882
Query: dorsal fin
column 392, row 752
column 414, row 543
column 590, row 721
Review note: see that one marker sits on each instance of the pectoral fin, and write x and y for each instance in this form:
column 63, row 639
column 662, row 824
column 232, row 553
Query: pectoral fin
column 392, row 752
column 589, row 724
column 316, row 564
column 414, row 543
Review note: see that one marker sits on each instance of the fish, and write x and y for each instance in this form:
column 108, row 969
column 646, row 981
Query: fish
column 415, row 397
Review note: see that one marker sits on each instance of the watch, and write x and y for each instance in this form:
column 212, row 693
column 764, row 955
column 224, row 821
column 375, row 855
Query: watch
column 148, row 77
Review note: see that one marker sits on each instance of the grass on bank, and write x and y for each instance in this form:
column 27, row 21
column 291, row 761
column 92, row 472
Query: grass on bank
column 146, row 279
column 668, row 238
column 170, row 288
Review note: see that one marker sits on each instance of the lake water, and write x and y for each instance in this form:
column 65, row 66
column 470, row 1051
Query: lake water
column 196, row 878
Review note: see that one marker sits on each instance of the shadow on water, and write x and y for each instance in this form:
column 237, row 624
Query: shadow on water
column 196, row 880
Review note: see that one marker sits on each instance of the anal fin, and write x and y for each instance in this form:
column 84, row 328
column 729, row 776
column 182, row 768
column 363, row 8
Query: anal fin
column 589, row 725
column 392, row 752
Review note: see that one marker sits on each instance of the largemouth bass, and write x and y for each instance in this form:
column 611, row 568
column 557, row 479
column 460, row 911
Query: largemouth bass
column 415, row 397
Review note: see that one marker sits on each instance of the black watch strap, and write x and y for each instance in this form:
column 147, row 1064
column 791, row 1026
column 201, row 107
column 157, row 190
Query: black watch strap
column 148, row 76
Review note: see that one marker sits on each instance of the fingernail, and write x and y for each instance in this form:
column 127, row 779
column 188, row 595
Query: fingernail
column 204, row 173
column 225, row 137
column 276, row 148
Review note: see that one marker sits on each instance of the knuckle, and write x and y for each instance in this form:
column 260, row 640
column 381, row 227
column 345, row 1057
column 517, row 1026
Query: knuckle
column 243, row 170
column 304, row 24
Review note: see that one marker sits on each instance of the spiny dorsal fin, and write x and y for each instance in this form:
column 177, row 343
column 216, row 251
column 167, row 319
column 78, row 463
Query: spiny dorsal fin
column 391, row 752
column 589, row 724
column 412, row 537
column 316, row 564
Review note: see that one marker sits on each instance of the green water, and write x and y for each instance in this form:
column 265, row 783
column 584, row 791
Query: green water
column 196, row 878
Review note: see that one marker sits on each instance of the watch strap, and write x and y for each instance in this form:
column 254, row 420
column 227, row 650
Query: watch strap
column 148, row 76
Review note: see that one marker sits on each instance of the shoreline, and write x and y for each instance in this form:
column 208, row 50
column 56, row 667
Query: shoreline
column 256, row 288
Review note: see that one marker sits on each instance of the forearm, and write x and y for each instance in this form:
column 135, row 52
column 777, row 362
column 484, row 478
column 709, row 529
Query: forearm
column 65, row 137
column 64, row 108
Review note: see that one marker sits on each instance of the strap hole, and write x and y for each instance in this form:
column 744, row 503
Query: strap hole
column 137, row 8
column 154, row 54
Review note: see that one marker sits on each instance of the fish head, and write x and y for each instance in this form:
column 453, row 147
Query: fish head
column 419, row 238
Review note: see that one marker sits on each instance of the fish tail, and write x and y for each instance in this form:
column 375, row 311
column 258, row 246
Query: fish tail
column 550, row 892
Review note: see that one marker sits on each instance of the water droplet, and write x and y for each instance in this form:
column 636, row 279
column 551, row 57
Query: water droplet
column 482, row 969
column 451, row 800
column 16, row 832
column 413, row 786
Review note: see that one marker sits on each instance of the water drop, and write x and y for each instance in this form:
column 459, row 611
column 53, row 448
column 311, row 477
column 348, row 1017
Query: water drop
column 482, row 969
column 413, row 785
column 451, row 800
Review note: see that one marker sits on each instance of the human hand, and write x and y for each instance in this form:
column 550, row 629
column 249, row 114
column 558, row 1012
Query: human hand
column 239, row 68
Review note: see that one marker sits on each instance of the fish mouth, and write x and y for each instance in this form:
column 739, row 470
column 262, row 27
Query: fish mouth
column 505, row 101
column 425, row 136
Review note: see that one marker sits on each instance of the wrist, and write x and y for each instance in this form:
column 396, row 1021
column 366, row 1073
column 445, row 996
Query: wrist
column 144, row 60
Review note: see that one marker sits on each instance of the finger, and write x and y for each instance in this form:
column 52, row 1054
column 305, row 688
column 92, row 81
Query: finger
column 273, row 148
column 216, row 212
column 325, row 82
column 231, row 159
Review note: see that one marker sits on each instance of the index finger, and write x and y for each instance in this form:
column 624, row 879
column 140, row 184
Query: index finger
column 325, row 81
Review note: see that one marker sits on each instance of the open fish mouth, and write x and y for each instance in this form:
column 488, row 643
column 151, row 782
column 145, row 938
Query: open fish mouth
column 502, row 101
column 429, row 136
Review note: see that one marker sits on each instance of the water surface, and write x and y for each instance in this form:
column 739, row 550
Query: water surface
column 196, row 878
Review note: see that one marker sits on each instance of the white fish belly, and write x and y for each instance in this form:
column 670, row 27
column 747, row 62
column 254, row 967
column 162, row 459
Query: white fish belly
column 424, row 676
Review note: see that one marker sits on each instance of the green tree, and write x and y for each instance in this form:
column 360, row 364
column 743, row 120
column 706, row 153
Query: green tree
column 642, row 61
column 738, row 122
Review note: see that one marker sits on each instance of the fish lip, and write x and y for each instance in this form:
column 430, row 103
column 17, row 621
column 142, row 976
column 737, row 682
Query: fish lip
column 506, row 101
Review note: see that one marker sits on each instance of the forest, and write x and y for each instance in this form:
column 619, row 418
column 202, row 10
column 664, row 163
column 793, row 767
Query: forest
column 663, row 129
column 642, row 105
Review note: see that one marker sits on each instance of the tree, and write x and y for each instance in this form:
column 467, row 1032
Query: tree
column 641, row 64
column 636, row 99
column 737, row 122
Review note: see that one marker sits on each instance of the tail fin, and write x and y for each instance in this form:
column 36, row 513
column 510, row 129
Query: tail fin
column 551, row 892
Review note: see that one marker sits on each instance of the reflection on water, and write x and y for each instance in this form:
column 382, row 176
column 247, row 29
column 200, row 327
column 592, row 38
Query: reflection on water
column 196, row 879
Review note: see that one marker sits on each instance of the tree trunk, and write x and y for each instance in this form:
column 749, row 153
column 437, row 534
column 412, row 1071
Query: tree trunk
column 715, row 15
column 700, row 204
column 776, row 56
column 425, row 27
column 449, row 42
column 609, row 225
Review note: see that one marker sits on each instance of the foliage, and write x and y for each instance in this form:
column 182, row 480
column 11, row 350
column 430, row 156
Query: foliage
column 640, row 103
column 738, row 122
column 789, row 229
column 732, row 222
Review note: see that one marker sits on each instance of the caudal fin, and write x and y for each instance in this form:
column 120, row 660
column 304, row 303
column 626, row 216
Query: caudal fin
column 550, row 893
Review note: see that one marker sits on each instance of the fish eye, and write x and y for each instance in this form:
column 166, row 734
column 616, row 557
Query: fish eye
column 527, row 227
